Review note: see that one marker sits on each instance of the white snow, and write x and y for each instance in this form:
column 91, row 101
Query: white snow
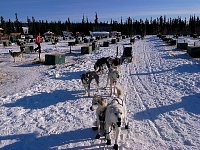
column 44, row 107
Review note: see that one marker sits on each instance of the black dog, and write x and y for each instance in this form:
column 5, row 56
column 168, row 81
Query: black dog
column 100, row 63
column 86, row 79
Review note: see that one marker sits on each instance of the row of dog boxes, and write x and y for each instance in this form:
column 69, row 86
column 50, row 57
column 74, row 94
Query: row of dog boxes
column 53, row 59
column 170, row 41
column 78, row 41
column 193, row 51
column 89, row 48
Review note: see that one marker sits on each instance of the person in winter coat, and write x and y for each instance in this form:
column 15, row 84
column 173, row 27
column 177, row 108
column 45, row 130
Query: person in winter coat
column 38, row 41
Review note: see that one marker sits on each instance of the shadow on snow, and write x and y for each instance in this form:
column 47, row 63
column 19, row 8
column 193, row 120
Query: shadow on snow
column 33, row 142
column 44, row 99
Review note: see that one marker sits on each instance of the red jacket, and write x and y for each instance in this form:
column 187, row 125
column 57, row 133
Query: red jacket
column 37, row 40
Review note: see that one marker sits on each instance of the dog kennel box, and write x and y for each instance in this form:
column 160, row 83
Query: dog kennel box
column 182, row 46
column 86, row 40
column 105, row 44
column 172, row 42
column 127, row 54
column 194, row 51
column 53, row 59
column 123, row 36
column 28, row 49
column 71, row 43
column 86, row 49
column 114, row 41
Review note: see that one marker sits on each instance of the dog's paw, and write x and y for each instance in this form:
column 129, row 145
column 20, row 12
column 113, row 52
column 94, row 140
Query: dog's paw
column 97, row 136
column 115, row 147
column 126, row 127
column 94, row 128
column 108, row 142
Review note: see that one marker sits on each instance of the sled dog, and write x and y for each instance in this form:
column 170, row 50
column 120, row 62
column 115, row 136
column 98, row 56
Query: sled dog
column 113, row 76
column 114, row 117
column 100, row 104
column 109, row 62
column 86, row 79
column 16, row 54
column 100, row 63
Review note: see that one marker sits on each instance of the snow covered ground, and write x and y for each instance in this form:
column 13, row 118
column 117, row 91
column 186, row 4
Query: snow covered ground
column 44, row 107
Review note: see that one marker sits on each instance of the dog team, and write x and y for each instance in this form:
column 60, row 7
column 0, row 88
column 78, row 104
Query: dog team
column 110, row 116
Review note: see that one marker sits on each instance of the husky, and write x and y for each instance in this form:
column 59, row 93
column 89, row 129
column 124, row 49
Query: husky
column 86, row 79
column 16, row 54
column 100, row 63
column 115, row 115
column 106, row 61
column 114, row 62
column 113, row 76
column 101, row 104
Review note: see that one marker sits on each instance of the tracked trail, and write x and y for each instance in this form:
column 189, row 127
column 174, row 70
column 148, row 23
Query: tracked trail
column 136, row 85
column 146, row 79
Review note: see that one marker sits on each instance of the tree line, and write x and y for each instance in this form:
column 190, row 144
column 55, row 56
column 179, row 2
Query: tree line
column 130, row 26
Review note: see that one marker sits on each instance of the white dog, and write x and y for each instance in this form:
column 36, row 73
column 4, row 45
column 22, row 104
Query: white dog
column 114, row 117
column 113, row 75
column 101, row 104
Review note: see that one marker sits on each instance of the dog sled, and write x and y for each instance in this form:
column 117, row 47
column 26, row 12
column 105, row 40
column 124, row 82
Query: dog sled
column 127, row 54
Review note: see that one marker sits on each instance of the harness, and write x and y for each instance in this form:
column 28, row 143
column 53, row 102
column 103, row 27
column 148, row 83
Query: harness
column 117, row 99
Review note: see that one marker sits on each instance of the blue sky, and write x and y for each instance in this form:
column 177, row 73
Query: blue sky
column 60, row 10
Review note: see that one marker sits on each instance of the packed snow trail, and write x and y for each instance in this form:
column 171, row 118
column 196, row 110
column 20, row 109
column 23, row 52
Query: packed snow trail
column 155, row 101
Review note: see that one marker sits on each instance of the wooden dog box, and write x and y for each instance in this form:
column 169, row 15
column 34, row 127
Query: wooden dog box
column 114, row 41
column 105, row 44
column 53, row 59
column 123, row 36
column 71, row 43
column 86, row 40
column 86, row 49
column 182, row 46
column 172, row 42
column 28, row 49
column 194, row 52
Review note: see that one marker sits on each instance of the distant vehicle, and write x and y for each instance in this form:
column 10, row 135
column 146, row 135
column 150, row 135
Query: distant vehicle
column 100, row 34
